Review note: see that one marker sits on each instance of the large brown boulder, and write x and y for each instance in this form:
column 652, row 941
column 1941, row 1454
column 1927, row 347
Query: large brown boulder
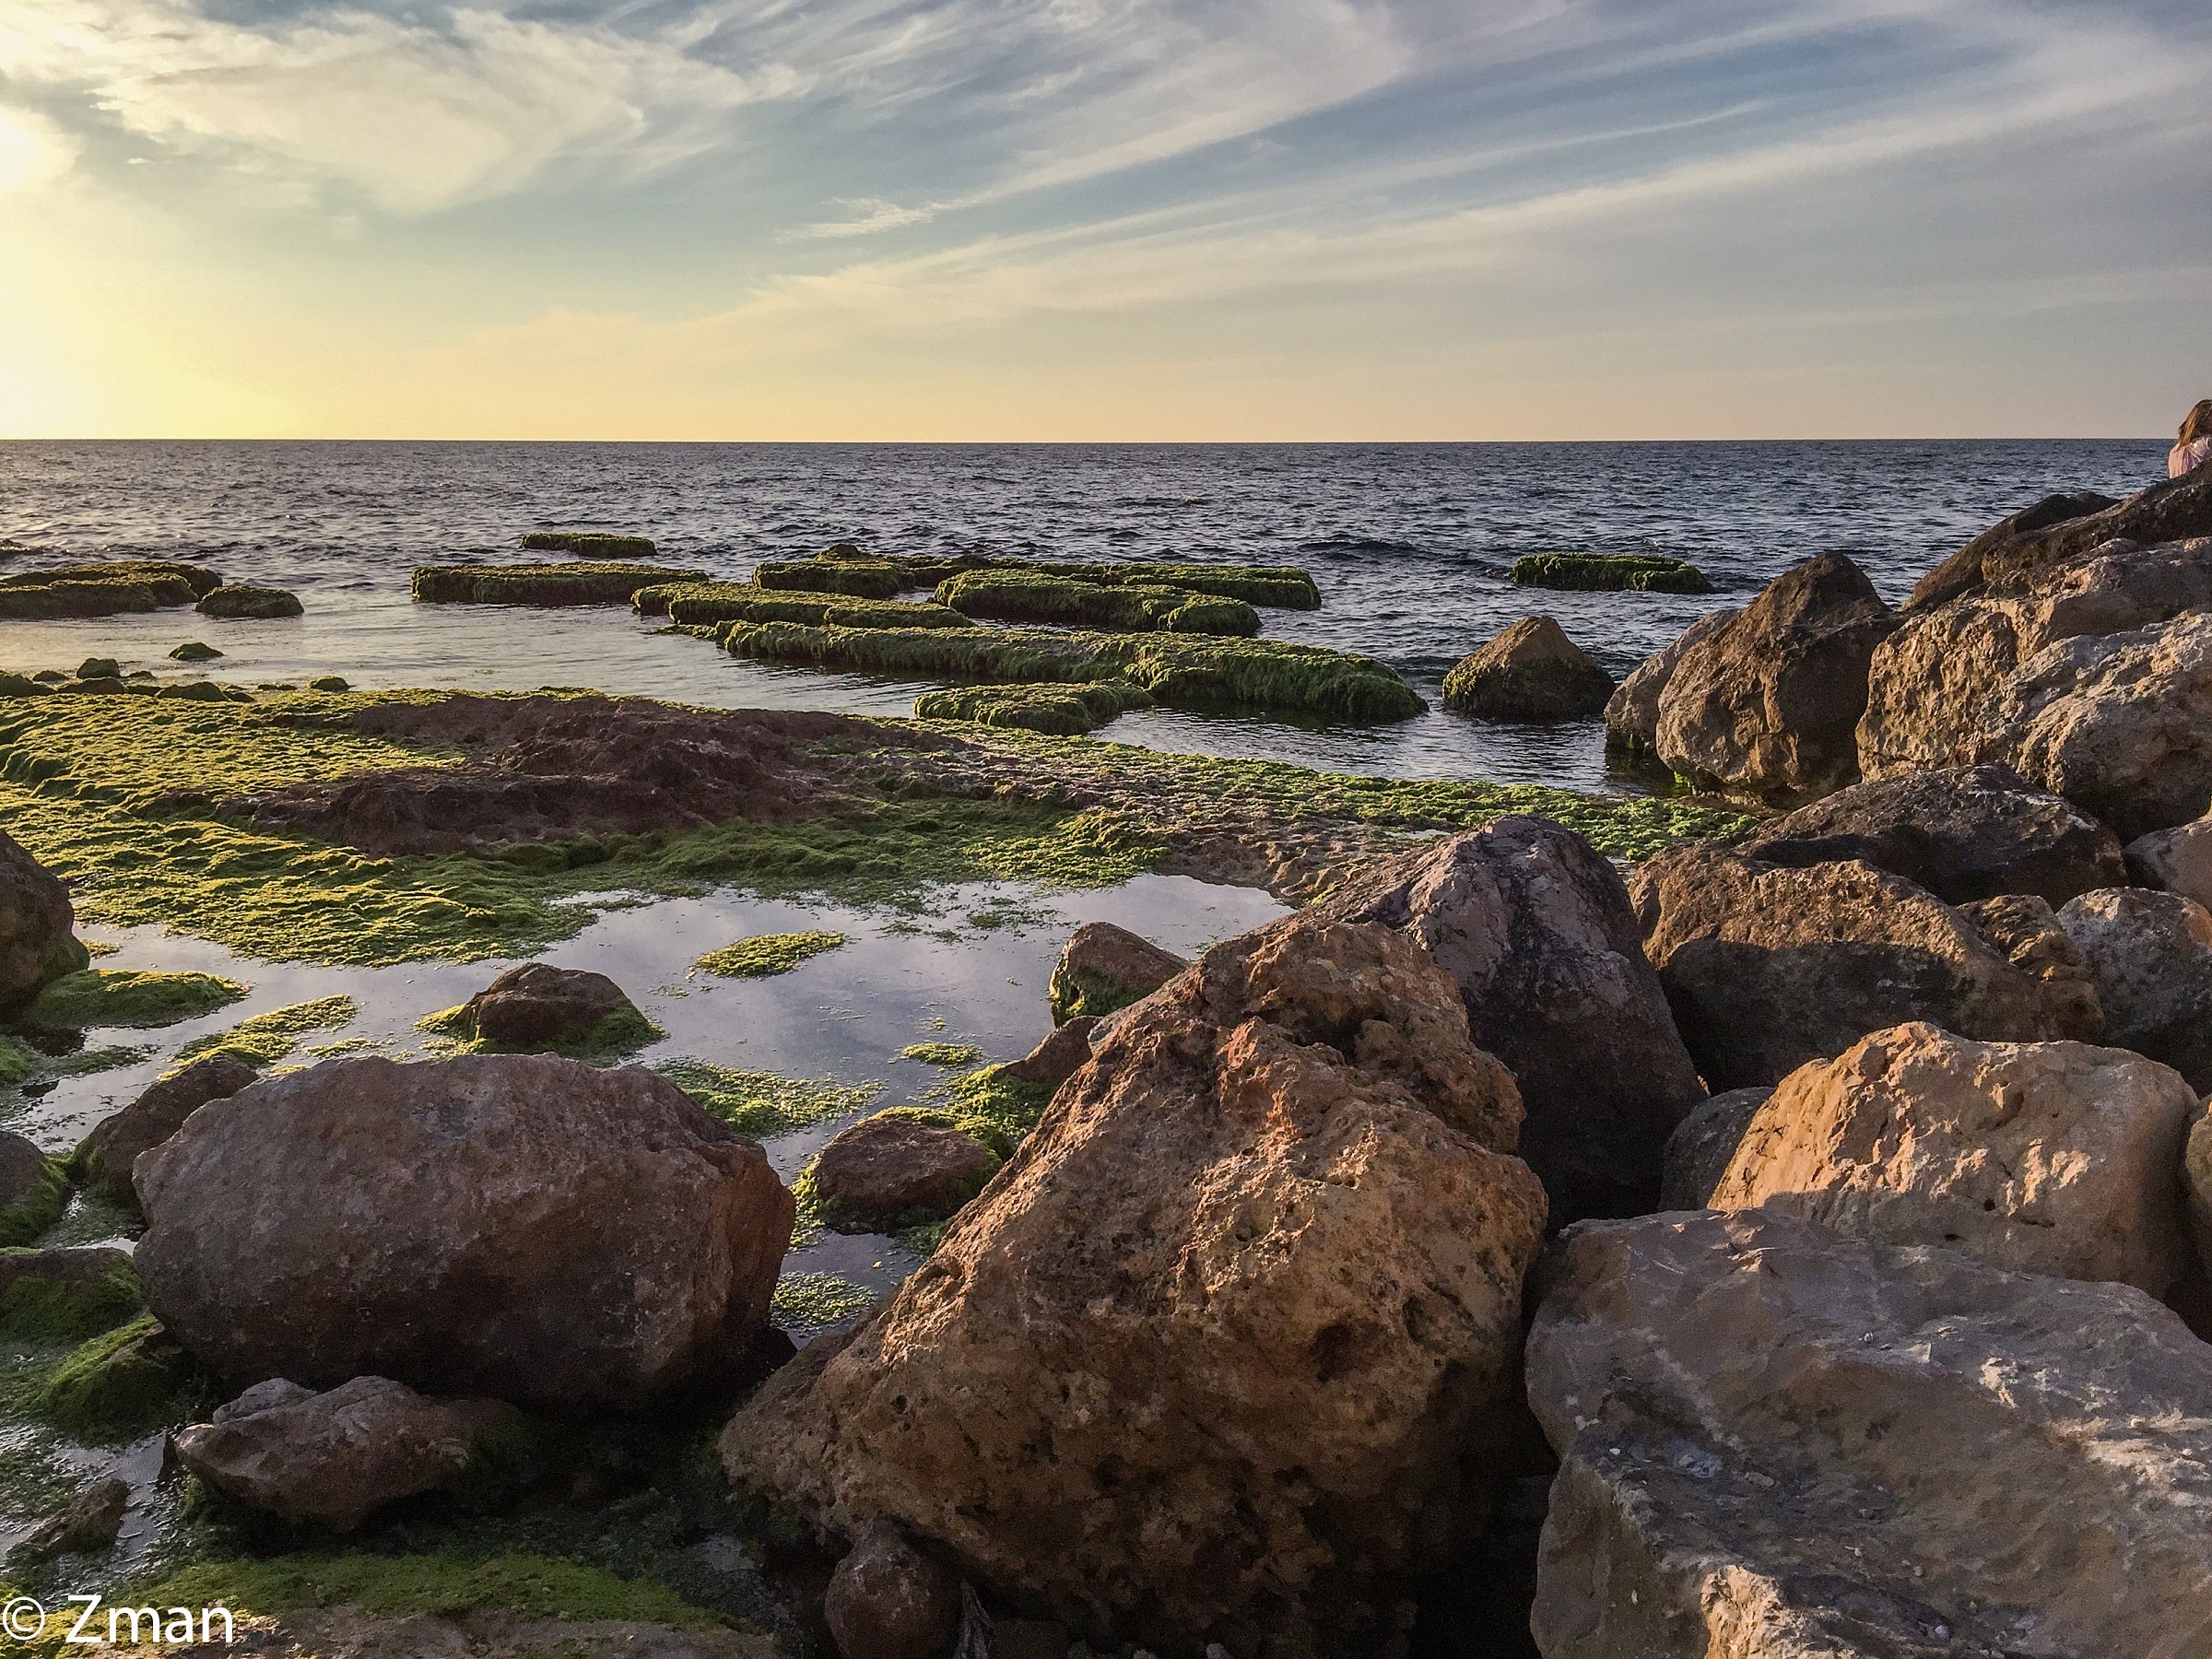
column 1768, row 704
column 1933, row 680
column 1776, row 1441
column 1533, row 925
column 2036, row 1156
column 1225, row 1351
column 37, row 945
column 2150, row 957
column 1103, row 967
column 1965, row 834
column 1530, row 671
column 104, row 1158
column 522, row 1227
column 2120, row 724
column 1769, row 966
column 2052, row 532
column 1633, row 711
column 336, row 1458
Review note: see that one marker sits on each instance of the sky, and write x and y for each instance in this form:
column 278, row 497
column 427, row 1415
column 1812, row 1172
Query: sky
column 1104, row 219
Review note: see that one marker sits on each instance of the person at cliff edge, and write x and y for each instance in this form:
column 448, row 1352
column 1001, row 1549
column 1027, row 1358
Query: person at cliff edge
column 2194, row 446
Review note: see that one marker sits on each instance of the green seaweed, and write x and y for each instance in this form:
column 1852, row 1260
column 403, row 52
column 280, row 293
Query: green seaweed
column 65, row 1309
column 762, row 1104
column 260, row 604
column 1280, row 587
column 868, row 579
column 596, row 544
column 117, row 1385
column 1056, row 710
column 989, row 1103
column 39, row 1207
column 18, row 1062
column 546, row 586
column 1638, row 572
column 709, row 604
column 1038, row 597
column 766, row 955
column 118, row 996
column 942, row 1054
column 614, row 1036
column 1075, row 993
column 266, row 1039
column 812, row 1301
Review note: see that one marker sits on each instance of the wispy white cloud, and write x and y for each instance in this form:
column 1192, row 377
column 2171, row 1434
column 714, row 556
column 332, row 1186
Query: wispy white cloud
column 866, row 215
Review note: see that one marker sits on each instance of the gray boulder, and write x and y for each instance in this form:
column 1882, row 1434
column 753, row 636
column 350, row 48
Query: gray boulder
column 2150, row 957
column 1702, row 1144
column 2179, row 860
column 524, row 1227
column 1534, row 927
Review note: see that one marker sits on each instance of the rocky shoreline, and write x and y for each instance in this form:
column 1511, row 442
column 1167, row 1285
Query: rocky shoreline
column 1604, row 1231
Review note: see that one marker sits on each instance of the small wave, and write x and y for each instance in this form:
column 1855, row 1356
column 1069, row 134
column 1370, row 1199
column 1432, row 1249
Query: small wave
column 1360, row 544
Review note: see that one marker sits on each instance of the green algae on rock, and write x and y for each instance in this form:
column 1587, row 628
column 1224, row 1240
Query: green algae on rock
column 814, row 1301
column 1062, row 711
column 117, row 1385
column 707, row 604
column 868, row 579
column 941, row 1054
column 121, row 996
column 246, row 603
column 66, row 1295
column 595, row 544
column 1181, row 670
column 1639, row 572
column 764, row 955
column 1280, row 587
column 546, row 586
column 266, row 1039
column 614, row 1036
column 41, row 1194
column 763, row 1104
column 115, row 588
column 1037, row 596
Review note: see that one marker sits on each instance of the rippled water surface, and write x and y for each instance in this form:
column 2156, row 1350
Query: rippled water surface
column 1409, row 544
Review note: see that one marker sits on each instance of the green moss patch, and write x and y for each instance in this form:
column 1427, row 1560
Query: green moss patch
column 546, row 587
column 1283, row 587
column 709, row 604
column 1057, row 710
column 441, row 1586
column 996, row 1107
column 765, row 955
column 111, row 589
column 617, row 1036
column 591, row 544
column 762, row 1104
column 812, row 1301
column 39, row 1207
column 1037, row 596
column 1639, row 572
column 118, row 996
column 868, row 578
column 65, row 1306
column 942, row 1054
column 16, row 1062
column 266, row 1039
column 117, row 1385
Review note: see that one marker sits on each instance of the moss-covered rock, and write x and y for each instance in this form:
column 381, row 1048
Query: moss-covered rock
column 66, row 1295
column 1284, row 587
column 109, row 589
column 941, row 1054
column 1639, row 573
column 195, row 651
column 540, row 1009
column 1058, row 710
column 1530, row 671
column 330, row 682
column 1038, row 597
column 34, row 1190
column 708, row 603
column 18, row 1062
column 1181, row 670
column 591, row 544
column 244, row 602
column 868, row 578
column 546, row 586
column 117, row 996
column 893, row 1171
column 117, row 1385
column 93, row 668
column 17, row 685
column 765, row 955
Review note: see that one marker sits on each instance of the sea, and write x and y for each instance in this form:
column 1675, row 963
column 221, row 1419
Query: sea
column 1409, row 544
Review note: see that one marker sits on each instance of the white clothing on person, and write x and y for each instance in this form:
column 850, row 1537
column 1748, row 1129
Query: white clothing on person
column 2188, row 457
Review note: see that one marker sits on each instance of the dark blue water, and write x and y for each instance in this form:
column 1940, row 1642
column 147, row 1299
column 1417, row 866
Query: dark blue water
column 1409, row 544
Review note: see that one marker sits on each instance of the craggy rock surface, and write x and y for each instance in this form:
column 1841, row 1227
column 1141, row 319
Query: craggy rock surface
column 2150, row 957
column 90, row 1522
column 555, row 768
column 539, row 1002
column 1537, row 929
column 1933, row 679
column 36, row 942
column 888, row 1600
column 2026, row 933
column 335, row 1458
column 890, row 1170
column 2038, row 1158
column 1530, row 671
column 104, row 1158
column 1768, row 704
column 1254, row 1281
column 1058, row 1057
column 1964, row 833
column 2120, row 724
column 1777, row 1442
column 522, row 1227
column 2013, row 547
column 1102, row 968
column 1704, row 1144
column 2196, row 1182
column 2179, row 860
column 1633, row 711
column 1769, row 967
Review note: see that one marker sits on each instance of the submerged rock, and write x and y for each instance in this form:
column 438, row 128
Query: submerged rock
column 522, row 1227
column 1767, row 704
column 1634, row 572
column 1768, row 966
column 1633, row 711
column 1774, row 1439
column 336, row 1458
column 1532, row 671
column 2038, row 1158
column 1534, row 925
column 1964, row 833
column 38, row 945
column 1254, row 1281
column 889, row 1600
column 2150, row 957
column 195, row 651
column 1102, row 968
column 894, row 1170
column 104, row 1158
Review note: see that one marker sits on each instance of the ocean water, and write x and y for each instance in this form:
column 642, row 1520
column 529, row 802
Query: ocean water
column 1408, row 543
